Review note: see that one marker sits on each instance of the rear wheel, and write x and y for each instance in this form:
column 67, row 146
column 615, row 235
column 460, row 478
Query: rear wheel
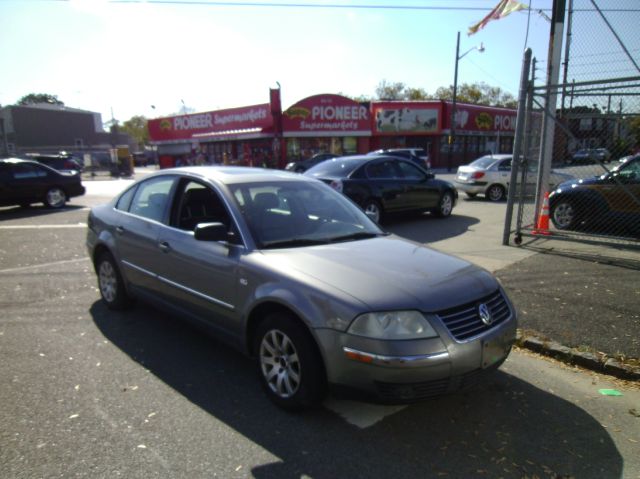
column 373, row 210
column 289, row 364
column 495, row 192
column 445, row 205
column 55, row 198
column 110, row 283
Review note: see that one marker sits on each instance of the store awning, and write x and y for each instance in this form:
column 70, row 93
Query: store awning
column 245, row 134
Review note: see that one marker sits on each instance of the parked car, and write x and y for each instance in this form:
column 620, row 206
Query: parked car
column 417, row 155
column 383, row 184
column 289, row 271
column 610, row 201
column 303, row 165
column 57, row 162
column 490, row 175
column 23, row 182
column 590, row 155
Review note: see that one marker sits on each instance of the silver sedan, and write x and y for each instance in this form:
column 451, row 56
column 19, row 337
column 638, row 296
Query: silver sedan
column 293, row 273
column 490, row 176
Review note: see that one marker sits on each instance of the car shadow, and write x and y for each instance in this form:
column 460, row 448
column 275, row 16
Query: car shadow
column 17, row 212
column 427, row 228
column 505, row 428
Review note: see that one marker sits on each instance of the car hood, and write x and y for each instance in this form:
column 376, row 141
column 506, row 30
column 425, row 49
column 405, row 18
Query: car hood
column 388, row 273
column 579, row 182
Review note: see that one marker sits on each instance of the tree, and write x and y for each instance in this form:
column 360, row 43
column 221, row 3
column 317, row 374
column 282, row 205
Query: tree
column 136, row 128
column 390, row 91
column 479, row 94
column 35, row 98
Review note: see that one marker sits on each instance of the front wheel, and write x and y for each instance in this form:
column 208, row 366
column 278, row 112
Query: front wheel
column 110, row 283
column 289, row 364
column 563, row 215
column 55, row 198
column 496, row 193
column 445, row 205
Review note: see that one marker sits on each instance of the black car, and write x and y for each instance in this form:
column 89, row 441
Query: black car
column 303, row 165
column 23, row 182
column 382, row 185
column 417, row 155
column 57, row 162
column 610, row 201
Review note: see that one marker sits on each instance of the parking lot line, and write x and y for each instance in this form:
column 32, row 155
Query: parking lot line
column 42, row 265
column 41, row 227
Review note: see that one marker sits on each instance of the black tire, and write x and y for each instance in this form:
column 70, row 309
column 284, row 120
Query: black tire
column 373, row 209
column 110, row 283
column 564, row 215
column 55, row 198
column 288, row 362
column 445, row 205
column 471, row 195
column 495, row 193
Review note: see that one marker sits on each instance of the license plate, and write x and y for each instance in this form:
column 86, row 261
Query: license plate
column 493, row 351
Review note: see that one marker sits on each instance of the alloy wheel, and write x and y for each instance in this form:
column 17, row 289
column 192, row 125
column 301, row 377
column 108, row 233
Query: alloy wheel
column 563, row 215
column 372, row 210
column 280, row 364
column 108, row 281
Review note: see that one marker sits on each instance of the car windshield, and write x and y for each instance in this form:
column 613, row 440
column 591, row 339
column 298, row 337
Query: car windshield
column 335, row 168
column 294, row 214
column 484, row 162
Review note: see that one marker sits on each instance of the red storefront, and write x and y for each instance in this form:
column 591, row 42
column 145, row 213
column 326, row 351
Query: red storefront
column 262, row 135
column 244, row 135
column 326, row 123
column 479, row 129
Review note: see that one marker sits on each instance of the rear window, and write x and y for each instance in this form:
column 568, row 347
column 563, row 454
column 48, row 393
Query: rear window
column 484, row 162
column 335, row 168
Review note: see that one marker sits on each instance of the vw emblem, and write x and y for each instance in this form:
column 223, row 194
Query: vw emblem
column 485, row 314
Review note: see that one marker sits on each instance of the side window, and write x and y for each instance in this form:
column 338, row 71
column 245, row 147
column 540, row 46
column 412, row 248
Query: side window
column 505, row 165
column 409, row 171
column 151, row 197
column 381, row 170
column 199, row 204
column 125, row 200
column 28, row 171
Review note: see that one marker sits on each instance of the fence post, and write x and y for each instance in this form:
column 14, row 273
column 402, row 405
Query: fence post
column 517, row 142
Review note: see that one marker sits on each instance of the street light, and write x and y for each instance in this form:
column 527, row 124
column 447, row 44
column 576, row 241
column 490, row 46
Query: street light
column 452, row 133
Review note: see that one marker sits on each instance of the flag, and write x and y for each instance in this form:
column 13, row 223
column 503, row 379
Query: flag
column 501, row 10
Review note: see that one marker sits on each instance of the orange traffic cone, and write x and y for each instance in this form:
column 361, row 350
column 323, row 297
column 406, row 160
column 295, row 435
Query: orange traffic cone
column 542, row 228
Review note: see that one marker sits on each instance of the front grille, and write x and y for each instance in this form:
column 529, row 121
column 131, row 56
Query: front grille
column 412, row 391
column 463, row 322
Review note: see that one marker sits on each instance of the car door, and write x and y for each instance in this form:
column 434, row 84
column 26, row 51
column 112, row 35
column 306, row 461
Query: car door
column 200, row 276
column 136, row 228
column 420, row 190
column 385, row 183
column 27, row 182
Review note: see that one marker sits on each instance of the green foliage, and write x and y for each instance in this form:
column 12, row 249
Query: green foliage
column 35, row 98
column 136, row 128
column 476, row 93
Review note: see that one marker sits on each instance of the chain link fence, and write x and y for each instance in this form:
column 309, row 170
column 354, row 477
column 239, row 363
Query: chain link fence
column 589, row 190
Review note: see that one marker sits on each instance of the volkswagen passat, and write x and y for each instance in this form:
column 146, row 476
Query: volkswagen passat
column 290, row 271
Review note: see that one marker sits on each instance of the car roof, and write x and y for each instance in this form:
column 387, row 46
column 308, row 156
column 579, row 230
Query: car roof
column 234, row 174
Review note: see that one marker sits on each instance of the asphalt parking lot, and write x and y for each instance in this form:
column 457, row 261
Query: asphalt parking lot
column 92, row 393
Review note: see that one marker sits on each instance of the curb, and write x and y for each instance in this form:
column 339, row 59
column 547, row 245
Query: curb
column 596, row 362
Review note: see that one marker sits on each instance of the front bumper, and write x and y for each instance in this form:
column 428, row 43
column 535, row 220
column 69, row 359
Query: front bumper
column 412, row 370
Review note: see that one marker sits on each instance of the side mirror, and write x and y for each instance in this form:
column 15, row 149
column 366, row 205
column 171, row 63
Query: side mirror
column 429, row 176
column 211, row 232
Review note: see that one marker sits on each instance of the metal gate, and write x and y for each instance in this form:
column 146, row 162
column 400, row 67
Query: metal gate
column 589, row 189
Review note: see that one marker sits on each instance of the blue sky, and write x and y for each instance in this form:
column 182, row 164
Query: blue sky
column 99, row 56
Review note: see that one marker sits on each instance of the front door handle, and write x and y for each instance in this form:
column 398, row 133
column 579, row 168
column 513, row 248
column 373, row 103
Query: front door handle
column 119, row 230
column 164, row 247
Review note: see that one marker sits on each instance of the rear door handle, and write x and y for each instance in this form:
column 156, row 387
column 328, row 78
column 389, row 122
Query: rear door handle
column 164, row 247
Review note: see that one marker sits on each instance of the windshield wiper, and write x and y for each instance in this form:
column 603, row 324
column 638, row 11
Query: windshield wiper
column 357, row 236
column 293, row 242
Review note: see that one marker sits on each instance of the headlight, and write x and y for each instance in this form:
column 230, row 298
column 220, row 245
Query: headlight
column 392, row 325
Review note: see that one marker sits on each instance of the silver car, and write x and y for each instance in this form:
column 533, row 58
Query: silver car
column 291, row 272
column 490, row 175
